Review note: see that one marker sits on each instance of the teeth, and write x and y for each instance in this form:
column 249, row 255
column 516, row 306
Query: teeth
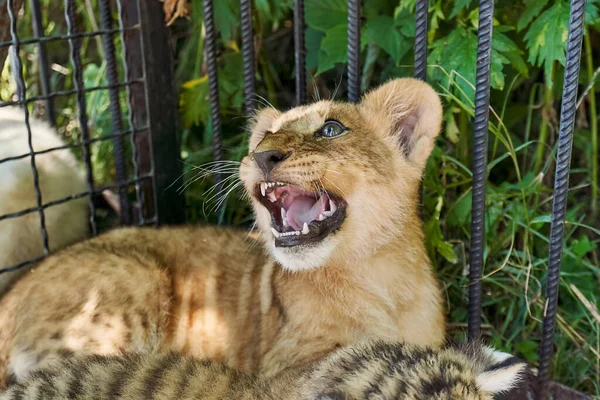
column 263, row 188
column 292, row 233
column 327, row 214
column 284, row 217
column 321, row 217
column 275, row 233
column 305, row 229
column 332, row 206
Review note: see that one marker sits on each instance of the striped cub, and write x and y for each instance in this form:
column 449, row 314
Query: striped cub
column 373, row 370
column 335, row 188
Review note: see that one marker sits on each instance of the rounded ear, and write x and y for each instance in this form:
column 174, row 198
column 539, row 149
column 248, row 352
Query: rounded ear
column 260, row 123
column 412, row 111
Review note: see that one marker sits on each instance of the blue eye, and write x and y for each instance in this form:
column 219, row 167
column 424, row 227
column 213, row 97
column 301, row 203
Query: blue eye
column 331, row 129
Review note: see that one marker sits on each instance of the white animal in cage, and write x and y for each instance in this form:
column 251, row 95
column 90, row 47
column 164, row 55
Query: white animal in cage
column 60, row 176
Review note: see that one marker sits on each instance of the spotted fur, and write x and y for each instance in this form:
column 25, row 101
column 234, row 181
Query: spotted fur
column 370, row 371
column 211, row 293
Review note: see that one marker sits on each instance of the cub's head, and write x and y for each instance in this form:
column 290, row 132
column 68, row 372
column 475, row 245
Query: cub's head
column 333, row 181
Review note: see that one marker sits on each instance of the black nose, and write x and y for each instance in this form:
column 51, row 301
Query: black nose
column 267, row 160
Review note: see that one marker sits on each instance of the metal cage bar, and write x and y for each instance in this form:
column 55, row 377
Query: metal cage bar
column 213, row 83
column 248, row 55
column 38, row 31
column 21, row 84
column 421, row 28
column 353, row 50
column 480, row 148
column 115, row 111
column 300, row 52
column 75, row 46
column 561, row 188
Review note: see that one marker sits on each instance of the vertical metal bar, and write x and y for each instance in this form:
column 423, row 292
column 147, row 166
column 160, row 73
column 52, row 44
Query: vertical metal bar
column 75, row 45
column 480, row 148
column 248, row 53
column 353, row 50
column 421, row 39
column 300, row 52
column 213, row 82
column 21, row 83
column 561, row 187
column 115, row 111
column 163, row 144
column 140, row 195
column 38, row 31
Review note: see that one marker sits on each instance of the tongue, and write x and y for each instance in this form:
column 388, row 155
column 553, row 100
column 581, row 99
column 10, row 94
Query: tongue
column 305, row 209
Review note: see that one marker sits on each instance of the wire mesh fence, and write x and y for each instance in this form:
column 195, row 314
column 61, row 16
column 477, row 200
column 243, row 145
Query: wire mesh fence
column 133, row 134
column 144, row 141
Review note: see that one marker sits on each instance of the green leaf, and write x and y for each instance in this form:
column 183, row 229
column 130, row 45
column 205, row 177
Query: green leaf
column 194, row 102
column 373, row 8
column 226, row 18
column 381, row 31
column 547, row 36
column 583, row 246
column 528, row 348
column 532, row 10
column 459, row 5
column 324, row 15
column 456, row 53
column 496, row 73
column 435, row 239
column 405, row 20
column 313, row 47
column 460, row 213
column 334, row 48
column 592, row 15
column 504, row 45
column 542, row 219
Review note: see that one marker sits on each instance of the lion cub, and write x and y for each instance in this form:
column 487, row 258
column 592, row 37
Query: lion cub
column 363, row 371
column 334, row 187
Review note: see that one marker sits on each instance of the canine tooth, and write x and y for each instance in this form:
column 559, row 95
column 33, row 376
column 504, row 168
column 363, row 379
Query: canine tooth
column 284, row 217
column 263, row 188
column 275, row 233
column 321, row 217
column 305, row 229
column 332, row 206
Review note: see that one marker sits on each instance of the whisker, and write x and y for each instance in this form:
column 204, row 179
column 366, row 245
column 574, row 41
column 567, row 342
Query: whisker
column 266, row 102
column 209, row 200
column 220, row 202
column 338, row 188
column 337, row 86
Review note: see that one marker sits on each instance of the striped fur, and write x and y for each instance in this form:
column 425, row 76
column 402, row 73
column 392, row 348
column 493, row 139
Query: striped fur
column 373, row 370
column 211, row 293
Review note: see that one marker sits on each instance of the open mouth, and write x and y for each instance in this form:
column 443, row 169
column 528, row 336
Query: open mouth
column 298, row 216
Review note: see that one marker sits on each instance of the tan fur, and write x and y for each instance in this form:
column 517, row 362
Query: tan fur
column 370, row 370
column 208, row 293
column 60, row 176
